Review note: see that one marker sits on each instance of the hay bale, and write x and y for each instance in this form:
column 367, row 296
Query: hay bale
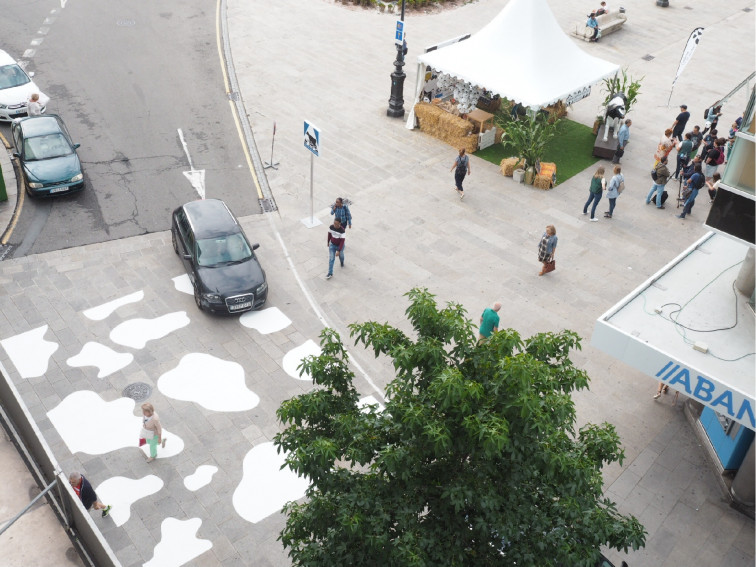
column 508, row 165
column 542, row 182
column 499, row 135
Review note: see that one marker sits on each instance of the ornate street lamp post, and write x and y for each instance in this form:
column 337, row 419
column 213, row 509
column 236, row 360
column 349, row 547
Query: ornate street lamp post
column 396, row 102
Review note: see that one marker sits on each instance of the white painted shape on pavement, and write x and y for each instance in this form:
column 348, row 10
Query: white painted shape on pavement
column 30, row 352
column 179, row 543
column 135, row 333
column 265, row 321
column 173, row 445
column 183, row 284
column 104, row 358
column 105, row 310
column 89, row 424
column 211, row 382
column 195, row 176
column 121, row 492
column 369, row 401
column 293, row 358
column 201, row 477
column 265, row 487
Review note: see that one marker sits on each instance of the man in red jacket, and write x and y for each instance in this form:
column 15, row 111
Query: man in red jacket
column 335, row 244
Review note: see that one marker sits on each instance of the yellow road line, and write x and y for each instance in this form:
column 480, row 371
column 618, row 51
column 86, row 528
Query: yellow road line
column 234, row 113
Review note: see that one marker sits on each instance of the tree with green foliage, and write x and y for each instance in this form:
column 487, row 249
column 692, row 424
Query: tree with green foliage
column 475, row 459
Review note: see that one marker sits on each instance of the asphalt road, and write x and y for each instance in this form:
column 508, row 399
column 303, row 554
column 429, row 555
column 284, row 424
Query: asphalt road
column 141, row 88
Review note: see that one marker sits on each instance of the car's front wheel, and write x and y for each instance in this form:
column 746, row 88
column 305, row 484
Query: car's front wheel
column 198, row 298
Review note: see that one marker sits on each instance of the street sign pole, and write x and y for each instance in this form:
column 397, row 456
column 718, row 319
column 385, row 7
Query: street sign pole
column 271, row 164
column 312, row 143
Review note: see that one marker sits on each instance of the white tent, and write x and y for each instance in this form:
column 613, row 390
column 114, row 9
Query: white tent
column 522, row 55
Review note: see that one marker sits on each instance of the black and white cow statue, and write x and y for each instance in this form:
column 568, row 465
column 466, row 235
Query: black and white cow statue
column 615, row 113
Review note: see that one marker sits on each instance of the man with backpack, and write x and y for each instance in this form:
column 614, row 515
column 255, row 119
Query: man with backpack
column 660, row 174
column 690, row 192
column 714, row 157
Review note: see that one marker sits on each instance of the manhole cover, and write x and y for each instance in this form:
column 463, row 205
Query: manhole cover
column 138, row 391
column 126, row 23
column 647, row 57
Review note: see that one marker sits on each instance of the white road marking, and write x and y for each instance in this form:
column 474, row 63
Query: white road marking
column 183, row 284
column 121, row 492
column 195, row 176
column 104, row 358
column 179, row 543
column 211, row 382
column 135, row 333
column 266, row 321
column 201, row 477
column 103, row 311
column 265, row 486
column 30, row 352
column 293, row 359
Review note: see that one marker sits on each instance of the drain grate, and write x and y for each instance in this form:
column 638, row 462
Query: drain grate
column 267, row 205
column 748, row 9
column 687, row 7
column 647, row 57
column 138, row 391
column 233, row 96
column 126, row 23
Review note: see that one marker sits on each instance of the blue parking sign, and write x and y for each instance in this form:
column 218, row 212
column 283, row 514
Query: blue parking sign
column 312, row 138
column 399, row 36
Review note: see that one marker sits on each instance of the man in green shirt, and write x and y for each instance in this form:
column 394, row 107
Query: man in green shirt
column 489, row 322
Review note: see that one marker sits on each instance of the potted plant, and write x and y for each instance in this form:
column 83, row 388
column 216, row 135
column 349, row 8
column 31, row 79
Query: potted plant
column 597, row 123
column 528, row 137
column 622, row 83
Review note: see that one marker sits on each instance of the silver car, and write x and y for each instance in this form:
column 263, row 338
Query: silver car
column 15, row 89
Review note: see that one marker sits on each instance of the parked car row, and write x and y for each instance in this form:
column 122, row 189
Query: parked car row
column 43, row 146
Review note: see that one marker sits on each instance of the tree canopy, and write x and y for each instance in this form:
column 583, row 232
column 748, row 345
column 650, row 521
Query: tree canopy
column 475, row 459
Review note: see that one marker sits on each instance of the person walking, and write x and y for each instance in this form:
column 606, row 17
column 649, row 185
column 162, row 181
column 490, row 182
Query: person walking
column 341, row 211
column 662, row 176
column 678, row 127
column 615, row 187
column 86, row 493
column 547, row 250
column 623, row 137
column 152, row 430
column 684, row 151
column 489, row 322
column 693, row 185
column 33, row 108
column 461, row 168
column 598, row 184
column 336, row 242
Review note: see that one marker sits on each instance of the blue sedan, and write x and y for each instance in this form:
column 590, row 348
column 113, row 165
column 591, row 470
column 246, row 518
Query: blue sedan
column 47, row 155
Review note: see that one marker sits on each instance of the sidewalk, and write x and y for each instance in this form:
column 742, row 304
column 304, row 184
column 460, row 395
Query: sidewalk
column 410, row 229
column 9, row 174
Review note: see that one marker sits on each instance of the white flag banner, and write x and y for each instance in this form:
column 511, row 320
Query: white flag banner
column 690, row 47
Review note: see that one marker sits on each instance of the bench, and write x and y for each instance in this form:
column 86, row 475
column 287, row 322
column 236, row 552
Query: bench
column 607, row 23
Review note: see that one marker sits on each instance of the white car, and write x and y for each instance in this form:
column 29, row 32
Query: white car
column 15, row 89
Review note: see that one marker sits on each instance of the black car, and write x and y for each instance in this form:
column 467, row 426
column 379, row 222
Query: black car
column 47, row 155
column 221, row 264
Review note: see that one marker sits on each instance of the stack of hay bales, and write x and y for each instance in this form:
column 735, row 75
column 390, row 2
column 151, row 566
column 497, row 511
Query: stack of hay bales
column 545, row 179
column 451, row 129
column 508, row 165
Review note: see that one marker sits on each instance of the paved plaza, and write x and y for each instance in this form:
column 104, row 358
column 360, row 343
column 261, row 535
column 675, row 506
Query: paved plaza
column 329, row 64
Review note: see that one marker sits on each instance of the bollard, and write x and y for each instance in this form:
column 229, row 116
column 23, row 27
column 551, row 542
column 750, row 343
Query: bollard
column 3, row 192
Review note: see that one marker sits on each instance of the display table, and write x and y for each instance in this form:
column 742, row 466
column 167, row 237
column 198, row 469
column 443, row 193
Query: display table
column 481, row 119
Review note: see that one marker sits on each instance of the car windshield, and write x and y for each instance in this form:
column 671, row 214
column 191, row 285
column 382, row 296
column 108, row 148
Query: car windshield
column 46, row 147
column 12, row 76
column 229, row 249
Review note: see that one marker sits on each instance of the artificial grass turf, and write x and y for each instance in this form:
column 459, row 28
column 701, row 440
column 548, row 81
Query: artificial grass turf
column 571, row 150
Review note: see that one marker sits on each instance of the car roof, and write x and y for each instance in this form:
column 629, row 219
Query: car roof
column 40, row 125
column 210, row 218
column 6, row 59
